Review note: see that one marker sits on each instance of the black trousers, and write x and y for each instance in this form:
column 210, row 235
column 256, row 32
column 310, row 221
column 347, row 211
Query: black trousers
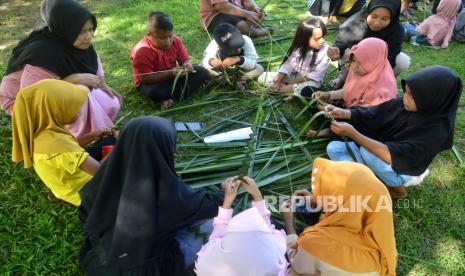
column 159, row 92
column 326, row 7
column 223, row 18
column 95, row 150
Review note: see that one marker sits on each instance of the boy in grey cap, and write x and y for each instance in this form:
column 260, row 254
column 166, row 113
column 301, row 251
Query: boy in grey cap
column 230, row 49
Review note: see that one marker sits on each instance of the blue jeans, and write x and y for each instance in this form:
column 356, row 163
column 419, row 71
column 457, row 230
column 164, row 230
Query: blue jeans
column 337, row 151
column 192, row 238
column 410, row 29
column 310, row 3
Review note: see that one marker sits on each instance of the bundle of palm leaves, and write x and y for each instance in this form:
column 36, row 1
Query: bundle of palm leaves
column 275, row 156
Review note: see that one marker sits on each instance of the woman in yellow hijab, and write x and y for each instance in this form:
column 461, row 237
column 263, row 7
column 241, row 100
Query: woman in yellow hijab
column 355, row 235
column 41, row 140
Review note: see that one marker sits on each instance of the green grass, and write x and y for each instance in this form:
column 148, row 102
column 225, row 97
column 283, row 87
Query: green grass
column 39, row 237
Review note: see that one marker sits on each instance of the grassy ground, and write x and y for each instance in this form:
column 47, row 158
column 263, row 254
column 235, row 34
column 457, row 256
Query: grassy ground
column 38, row 237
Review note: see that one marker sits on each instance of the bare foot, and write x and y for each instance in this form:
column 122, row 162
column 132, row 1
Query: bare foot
column 325, row 19
column 270, row 29
column 333, row 20
column 259, row 91
column 259, row 32
column 166, row 105
column 289, row 98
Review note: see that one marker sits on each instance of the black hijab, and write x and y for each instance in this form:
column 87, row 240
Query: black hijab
column 133, row 206
column 355, row 29
column 415, row 138
column 51, row 47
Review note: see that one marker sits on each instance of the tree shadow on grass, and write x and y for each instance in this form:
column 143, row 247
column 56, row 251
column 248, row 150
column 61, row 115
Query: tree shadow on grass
column 430, row 224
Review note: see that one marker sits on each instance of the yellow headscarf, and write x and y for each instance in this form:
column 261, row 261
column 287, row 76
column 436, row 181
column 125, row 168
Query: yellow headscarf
column 40, row 114
column 357, row 241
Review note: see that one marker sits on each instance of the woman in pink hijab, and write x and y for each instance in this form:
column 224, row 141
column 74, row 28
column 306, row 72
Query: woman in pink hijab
column 371, row 80
column 439, row 27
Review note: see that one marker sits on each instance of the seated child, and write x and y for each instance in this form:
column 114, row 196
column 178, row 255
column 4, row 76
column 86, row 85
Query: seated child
column 370, row 81
column 379, row 19
column 437, row 29
column 156, row 60
column 351, row 238
column 138, row 216
column 245, row 15
column 305, row 63
column 399, row 139
column 246, row 244
column 230, row 49
column 41, row 140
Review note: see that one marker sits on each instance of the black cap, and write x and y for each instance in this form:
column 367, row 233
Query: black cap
column 229, row 38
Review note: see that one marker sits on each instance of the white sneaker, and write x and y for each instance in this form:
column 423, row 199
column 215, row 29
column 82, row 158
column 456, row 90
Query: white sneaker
column 416, row 180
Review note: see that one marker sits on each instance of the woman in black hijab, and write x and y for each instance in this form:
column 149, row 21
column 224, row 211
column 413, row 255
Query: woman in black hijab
column 136, row 202
column 63, row 50
column 380, row 19
column 400, row 138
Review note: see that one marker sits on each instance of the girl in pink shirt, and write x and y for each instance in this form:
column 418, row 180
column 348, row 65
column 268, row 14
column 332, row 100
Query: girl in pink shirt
column 246, row 244
column 305, row 63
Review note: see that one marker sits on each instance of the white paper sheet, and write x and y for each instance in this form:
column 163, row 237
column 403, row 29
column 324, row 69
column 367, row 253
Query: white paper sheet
column 234, row 135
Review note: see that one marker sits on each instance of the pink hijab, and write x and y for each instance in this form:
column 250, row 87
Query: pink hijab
column 439, row 27
column 379, row 84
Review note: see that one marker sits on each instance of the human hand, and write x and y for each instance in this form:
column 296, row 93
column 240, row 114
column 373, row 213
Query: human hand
column 322, row 96
column 256, row 9
column 288, row 216
column 230, row 187
column 286, row 211
column 189, row 67
column 111, row 92
column 276, row 87
column 298, row 194
column 216, row 63
column 280, row 78
column 90, row 80
column 334, row 53
column 343, row 129
column 251, row 187
column 102, row 132
column 230, row 61
column 303, row 192
column 253, row 17
column 176, row 70
column 336, row 112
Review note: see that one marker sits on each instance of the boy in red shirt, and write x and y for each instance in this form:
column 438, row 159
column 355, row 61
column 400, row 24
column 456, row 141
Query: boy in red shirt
column 157, row 59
